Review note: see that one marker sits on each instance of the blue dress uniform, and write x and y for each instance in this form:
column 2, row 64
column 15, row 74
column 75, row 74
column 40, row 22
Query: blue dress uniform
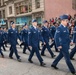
column 1, row 41
column 25, row 40
column 21, row 32
column 46, row 35
column 40, row 35
column 4, row 41
column 12, row 38
column 52, row 31
column 62, row 39
column 74, row 41
column 6, row 38
column 34, row 38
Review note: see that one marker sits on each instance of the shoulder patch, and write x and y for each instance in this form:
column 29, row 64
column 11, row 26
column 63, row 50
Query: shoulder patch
column 57, row 31
column 29, row 32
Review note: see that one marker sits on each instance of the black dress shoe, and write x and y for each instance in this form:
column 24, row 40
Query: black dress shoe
column 42, row 64
column 57, row 51
column 4, row 50
column 53, row 56
column 10, row 57
column 30, row 61
column 24, row 53
column 2, row 56
column 54, row 67
column 39, row 49
column 43, row 54
column 20, row 46
column 72, row 58
column 6, row 46
column 19, row 60
column 74, row 73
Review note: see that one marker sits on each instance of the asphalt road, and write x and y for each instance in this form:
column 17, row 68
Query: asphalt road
column 13, row 67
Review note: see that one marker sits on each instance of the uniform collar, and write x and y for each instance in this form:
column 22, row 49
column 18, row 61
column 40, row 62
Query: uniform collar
column 45, row 26
column 13, row 28
column 25, row 29
column 63, row 25
column 34, row 27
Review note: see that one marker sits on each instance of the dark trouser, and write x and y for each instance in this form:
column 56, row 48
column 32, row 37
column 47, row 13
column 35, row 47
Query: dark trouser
column 64, row 53
column 10, row 48
column 3, row 48
column 26, row 47
column 73, row 52
column 22, row 44
column 35, row 49
column 53, row 44
column 1, row 51
column 48, row 47
column 13, row 49
column 5, row 43
column 39, row 46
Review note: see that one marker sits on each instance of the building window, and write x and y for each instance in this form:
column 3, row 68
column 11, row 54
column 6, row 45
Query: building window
column 23, row 7
column 10, row 10
column 3, row 13
column 74, row 4
column 37, row 3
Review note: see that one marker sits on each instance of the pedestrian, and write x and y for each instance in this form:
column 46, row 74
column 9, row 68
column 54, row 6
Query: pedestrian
column 46, row 35
column 13, row 35
column 1, row 41
column 63, row 42
column 74, row 41
column 25, row 38
column 34, row 38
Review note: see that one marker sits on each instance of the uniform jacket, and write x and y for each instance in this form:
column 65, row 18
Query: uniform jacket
column 62, row 36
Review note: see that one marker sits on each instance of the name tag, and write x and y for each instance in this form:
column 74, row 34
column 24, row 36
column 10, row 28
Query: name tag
column 57, row 31
column 16, row 31
column 29, row 32
column 38, row 31
column 11, row 32
column 64, row 31
column 34, row 32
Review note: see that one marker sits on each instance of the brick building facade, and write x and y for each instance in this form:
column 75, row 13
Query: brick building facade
column 54, row 8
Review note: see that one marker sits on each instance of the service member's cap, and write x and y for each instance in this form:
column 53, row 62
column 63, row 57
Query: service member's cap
column 12, row 23
column 24, row 25
column 62, row 17
column 34, row 20
column 45, row 21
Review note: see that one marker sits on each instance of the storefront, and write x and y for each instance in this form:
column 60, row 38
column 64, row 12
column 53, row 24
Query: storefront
column 21, row 21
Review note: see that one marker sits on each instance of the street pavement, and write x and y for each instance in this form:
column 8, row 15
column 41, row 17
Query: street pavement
column 13, row 67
